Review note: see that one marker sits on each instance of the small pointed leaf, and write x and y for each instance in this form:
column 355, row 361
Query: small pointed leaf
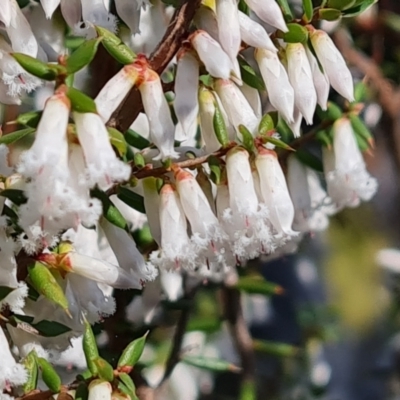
column 130, row 356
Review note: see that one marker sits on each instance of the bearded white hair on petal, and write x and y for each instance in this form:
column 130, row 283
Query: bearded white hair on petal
column 172, row 284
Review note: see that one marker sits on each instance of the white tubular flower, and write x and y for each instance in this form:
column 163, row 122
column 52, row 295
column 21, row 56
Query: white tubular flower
column 228, row 27
column 115, row 90
column 152, row 206
column 186, row 103
column 348, row 180
column 206, row 20
column 11, row 373
column 96, row 13
column 253, row 97
column 207, row 111
column 280, row 92
column 128, row 256
column 269, row 12
column 275, row 192
column 333, row 63
column 49, row 6
column 237, row 107
column 20, row 33
column 176, row 250
column 129, row 12
column 244, row 221
column 155, row 105
column 321, row 81
column 100, row 390
column 210, row 241
column 295, row 126
column 254, row 34
column 216, row 61
column 103, row 166
column 71, row 10
column 6, row 12
column 301, row 79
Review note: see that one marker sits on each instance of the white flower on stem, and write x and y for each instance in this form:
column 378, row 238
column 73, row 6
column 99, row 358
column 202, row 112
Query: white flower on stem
column 333, row 64
column 11, row 373
column 347, row 178
column 162, row 129
column 245, row 220
column 210, row 52
column 269, row 12
column 321, row 81
column 206, row 20
column 95, row 12
column 294, row 126
column 301, row 79
column 100, row 390
column 6, row 11
column 71, row 10
column 253, row 97
column 129, row 12
column 103, row 166
column 237, row 107
column 115, row 90
column 49, row 6
column 20, row 33
column 152, row 206
column 280, row 92
column 210, row 242
column 275, row 192
column 128, row 256
column 176, row 249
column 186, row 104
column 254, row 34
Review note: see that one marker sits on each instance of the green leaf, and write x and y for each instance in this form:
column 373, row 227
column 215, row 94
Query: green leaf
column 258, row 285
column 296, row 34
column 15, row 136
column 325, row 137
column 275, row 348
column 210, row 364
column 127, row 386
column 136, row 140
column 31, row 366
column 332, row 113
column 51, row 328
column 49, row 375
column 104, row 370
column 139, row 160
column 31, row 118
column 130, row 356
column 117, row 139
column 329, row 14
column 266, row 125
column 276, row 142
column 5, row 291
column 17, row 196
column 361, row 130
column 110, row 211
column 248, row 390
column 82, row 392
column 340, row 4
column 358, row 9
column 204, row 324
column 249, row 76
column 45, row 283
column 221, row 132
column 310, row 160
column 287, row 12
column 247, row 138
column 243, row 7
column 36, row 67
column 23, row 3
column 83, row 55
column 90, row 348
column 133, row 199
column 360, row 92
column 215, row 168
column 80, row 102
column 113, row 44
column 308, row 10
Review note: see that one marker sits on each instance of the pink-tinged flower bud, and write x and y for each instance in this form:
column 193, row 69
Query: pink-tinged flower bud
column 11, row 373
column 20, row 33
column 103, row 166
column 162, row 129
column 300, row 77
column 321, row 81
column 216, row 61
column 280, row 92
column 186, row 103
column 71, row 11
column 275, row 192
column 333, row 63
column 128, row 256
column 115, row 90
column 176, row 249
column 49, row 6
column 6, row 12
column 238, row 109
column 100, row 390
column 269, row 12
column 254, row 34
column 129, row 12
column 348, row 181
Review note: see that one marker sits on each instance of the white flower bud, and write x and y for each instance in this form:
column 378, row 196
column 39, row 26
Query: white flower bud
column 300, row 76
column 206, row 20
column 71, row 11
column 333, row 63
column 99, row 390
column 254, row 34
column 152, row 206
column 129, row 12
column 280, row 92
column 115, row 90
column 102, row 164
column 216, row 61
column 269, row 12
column 96, row 13
column 49, row 6
column 253, row 97
column 6, row 12
column 162, row 129
column 186, row 103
